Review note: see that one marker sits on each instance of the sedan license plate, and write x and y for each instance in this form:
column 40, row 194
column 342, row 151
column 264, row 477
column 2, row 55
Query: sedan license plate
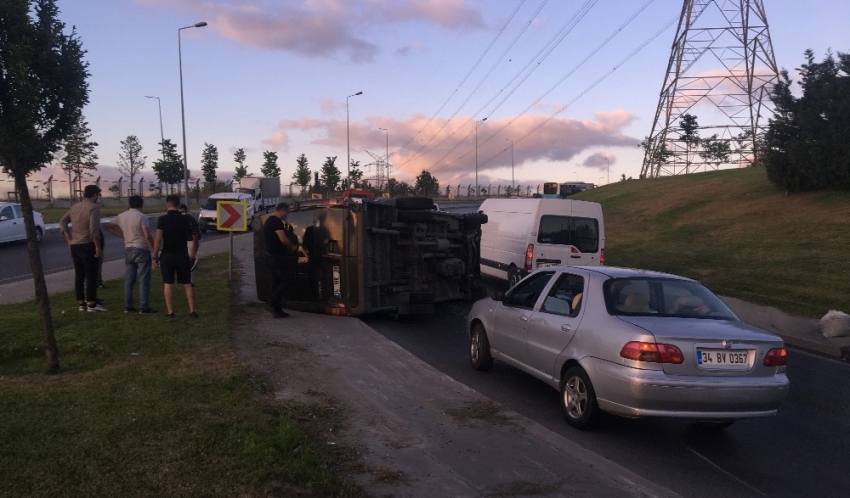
column 724, row 358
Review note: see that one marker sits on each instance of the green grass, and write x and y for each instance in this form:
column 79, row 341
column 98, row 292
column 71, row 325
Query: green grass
column 737, row 233
column 148, row 407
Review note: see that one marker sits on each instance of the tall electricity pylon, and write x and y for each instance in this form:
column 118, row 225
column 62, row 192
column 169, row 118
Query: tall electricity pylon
column 382, row 171
column 721, row 71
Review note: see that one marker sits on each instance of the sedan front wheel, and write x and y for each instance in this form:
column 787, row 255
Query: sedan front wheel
column 578, row 399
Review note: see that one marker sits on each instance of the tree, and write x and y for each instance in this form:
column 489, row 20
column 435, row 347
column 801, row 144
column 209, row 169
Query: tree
column 659, row 154
column 302, row 174
column 270, row 168
column 43, row 89
column 209, row 163
column 78, row 154
column 130, row 158
column 355, row 175
column 426, row 185
column 690, row 135
column 715, row 151
column 331, row 175
column 805, row 146
column 169, row 169
column 241, row 170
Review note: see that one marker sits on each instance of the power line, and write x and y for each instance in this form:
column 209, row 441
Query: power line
column 605, row 42
column 541, row 56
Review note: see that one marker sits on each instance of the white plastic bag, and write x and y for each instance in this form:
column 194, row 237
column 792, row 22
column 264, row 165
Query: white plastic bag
column 835, row 324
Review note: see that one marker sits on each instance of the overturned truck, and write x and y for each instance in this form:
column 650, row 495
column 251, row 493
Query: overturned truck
column 386, row 255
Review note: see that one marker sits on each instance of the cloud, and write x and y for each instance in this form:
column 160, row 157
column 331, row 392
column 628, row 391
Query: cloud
column 322, row 28
column 600, row 160
column 405, row 51
column 278, row 141
column 417, row 143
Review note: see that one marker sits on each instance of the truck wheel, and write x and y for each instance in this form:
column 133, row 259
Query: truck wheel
column 415, row 216
column 513, row 276
column 479, row 349
column 475, row 219
column 412, row 203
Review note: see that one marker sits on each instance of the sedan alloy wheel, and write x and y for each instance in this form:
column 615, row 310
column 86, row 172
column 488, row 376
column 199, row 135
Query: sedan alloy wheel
column 578, row 399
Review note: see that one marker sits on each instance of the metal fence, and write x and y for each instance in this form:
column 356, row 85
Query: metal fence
column 57, row 188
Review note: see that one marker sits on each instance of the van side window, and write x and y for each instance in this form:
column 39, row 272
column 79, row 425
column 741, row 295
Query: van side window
column 565, row 296
column 526, row 293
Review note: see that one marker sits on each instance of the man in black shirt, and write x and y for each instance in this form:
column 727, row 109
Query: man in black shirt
column 281, row 256
column 172, row 230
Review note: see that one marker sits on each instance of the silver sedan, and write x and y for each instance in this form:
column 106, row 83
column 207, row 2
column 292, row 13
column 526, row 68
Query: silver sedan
column 632, row 343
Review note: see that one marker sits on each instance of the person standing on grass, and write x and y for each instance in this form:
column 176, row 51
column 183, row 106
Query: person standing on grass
column 194, row 237
column 84, row 242
column 281, row 256
column 172, row 230
column 132, row 227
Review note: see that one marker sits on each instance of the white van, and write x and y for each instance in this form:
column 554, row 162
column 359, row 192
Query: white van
column 522, row 235
column 206, row 218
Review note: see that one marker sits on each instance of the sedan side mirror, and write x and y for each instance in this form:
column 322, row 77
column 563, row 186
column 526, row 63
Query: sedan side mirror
column 497, row 296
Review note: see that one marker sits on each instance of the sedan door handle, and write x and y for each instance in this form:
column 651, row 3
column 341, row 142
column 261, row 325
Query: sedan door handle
column 523, row 318
column 565, row 327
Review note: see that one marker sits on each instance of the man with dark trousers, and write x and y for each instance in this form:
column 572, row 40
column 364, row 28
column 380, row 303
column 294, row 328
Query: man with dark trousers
column 85, row 244
column 172, row 229
column 281, row 256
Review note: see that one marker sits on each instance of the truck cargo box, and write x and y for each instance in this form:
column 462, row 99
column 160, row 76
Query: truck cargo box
column 377, row 256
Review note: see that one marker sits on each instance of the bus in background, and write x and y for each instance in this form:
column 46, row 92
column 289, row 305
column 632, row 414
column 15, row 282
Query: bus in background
column 551, row 190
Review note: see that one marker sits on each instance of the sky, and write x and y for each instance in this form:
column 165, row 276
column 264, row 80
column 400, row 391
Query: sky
column 280, row 75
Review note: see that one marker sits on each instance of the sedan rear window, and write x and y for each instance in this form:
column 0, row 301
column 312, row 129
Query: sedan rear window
column 663, row 297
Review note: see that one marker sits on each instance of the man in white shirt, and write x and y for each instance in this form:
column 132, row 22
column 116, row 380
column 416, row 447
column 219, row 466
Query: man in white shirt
column 132, row 226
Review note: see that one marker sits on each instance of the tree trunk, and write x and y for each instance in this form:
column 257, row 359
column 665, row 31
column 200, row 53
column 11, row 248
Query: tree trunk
column 42, row 298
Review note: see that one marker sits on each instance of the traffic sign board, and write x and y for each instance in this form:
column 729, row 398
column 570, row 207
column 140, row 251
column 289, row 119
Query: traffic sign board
column 231, row 216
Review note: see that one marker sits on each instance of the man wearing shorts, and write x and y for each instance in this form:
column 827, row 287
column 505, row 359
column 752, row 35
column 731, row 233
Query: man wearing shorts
column 175, row 257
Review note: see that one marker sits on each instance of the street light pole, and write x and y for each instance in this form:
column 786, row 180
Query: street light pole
column 161, row 134
column 182, row 110
column 477, row 124
column 348, row 133
column 388, row 154
column 513, row 184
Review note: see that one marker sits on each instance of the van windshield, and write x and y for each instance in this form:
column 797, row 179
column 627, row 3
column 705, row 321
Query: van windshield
column 583, row 233
column 210, row 204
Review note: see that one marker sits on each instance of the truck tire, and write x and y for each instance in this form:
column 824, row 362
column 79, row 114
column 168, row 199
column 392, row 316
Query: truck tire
column 415, row 216
column 472, row 219
column 412, row 203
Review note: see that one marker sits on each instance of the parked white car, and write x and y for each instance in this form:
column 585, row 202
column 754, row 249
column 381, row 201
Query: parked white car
column 632, row 343
column 12, row 223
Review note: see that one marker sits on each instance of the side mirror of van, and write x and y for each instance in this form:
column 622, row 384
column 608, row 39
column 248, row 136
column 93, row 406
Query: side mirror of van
column 497, row 296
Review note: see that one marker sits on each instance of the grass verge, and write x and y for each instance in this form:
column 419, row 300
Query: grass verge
column 145, row 406
column 737, row 233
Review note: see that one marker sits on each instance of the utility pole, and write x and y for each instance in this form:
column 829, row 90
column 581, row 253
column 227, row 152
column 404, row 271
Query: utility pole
column 713, row 36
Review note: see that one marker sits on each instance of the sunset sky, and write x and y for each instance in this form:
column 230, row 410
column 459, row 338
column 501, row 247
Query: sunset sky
column 275, row 74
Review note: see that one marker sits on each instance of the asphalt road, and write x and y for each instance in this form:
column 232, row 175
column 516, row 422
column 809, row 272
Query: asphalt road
column 801, row 452
column 55, row 255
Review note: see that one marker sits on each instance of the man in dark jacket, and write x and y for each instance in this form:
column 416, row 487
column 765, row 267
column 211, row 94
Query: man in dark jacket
column 281, row 256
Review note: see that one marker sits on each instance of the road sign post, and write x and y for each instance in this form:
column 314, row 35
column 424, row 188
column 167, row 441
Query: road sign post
column 231, row 216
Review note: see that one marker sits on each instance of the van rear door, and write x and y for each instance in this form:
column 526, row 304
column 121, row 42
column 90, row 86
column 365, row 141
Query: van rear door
column 567, row 240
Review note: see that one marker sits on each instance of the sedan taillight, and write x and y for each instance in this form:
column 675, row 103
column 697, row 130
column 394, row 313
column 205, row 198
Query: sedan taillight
column 652, row 352
column 775, row 357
